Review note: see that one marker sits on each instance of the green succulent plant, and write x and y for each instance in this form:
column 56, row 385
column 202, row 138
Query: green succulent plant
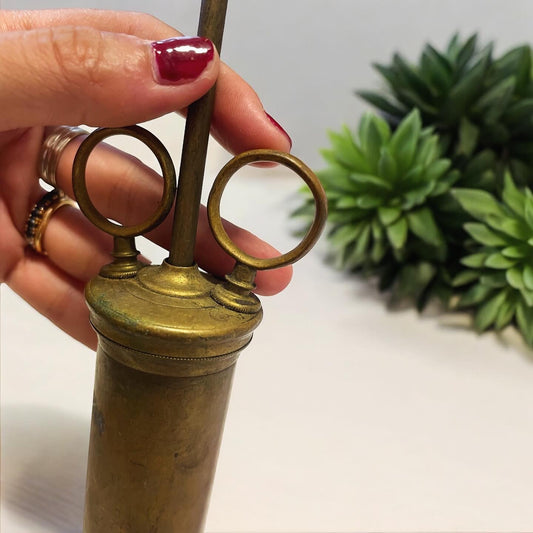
column 383, row 188
column 475, row 102
column 432, row 195
column 497, row 283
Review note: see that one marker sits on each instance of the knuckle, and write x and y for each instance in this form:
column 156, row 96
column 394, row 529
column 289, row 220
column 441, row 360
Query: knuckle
column 79, row 54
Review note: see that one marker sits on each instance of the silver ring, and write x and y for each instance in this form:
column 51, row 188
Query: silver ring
column 53, row 146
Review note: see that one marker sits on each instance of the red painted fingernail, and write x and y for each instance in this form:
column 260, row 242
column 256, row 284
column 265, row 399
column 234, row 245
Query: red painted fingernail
column 277, row 124
column 181, row 59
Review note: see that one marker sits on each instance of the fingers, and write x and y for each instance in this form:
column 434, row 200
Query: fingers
column 76, row 75
column 60, row 299
column 239, row 121
column 140, row 25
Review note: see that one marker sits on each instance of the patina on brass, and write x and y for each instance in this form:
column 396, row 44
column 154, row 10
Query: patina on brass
column 168, row 338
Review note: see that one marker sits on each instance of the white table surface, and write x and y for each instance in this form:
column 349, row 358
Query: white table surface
column 344, row 416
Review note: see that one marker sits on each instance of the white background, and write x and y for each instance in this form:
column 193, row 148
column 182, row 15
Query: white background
column 344, row 416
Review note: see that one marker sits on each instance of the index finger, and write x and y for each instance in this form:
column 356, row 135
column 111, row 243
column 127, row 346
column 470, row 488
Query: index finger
column 239, row 121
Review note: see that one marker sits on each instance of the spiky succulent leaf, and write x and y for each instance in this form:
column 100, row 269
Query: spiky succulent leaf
column 475, row 102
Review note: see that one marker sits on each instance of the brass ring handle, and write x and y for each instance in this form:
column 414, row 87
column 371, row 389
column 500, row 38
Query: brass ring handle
column 294, row 164
column 80, row 186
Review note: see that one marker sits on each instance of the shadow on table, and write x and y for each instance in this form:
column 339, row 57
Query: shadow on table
column 44, row 458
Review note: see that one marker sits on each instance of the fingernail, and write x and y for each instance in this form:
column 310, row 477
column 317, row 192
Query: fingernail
column 277, row 124
column 181, row 59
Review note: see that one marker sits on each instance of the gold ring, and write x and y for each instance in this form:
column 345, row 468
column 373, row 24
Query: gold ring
column 53, row 146
column 40, row 216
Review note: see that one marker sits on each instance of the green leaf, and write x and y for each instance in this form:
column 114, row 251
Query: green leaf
column 454, row 47
column 527, row 296
column 363, row 181
column 480, row 204
column 474, row 295
column 465, row 53
column 495, row 279
column 517, row 252
column 404, row 141
column 369, row 201
column 347, row 202
column 344, row 235
column 437, row 169
column 494, row 102
column 528, row 277
column 356, row 255
column 529, row 212
column 515, row 278
column 417, row 195
column 512, row 227
column 519, row 112
column 382, row 103
column 413, row 280
column 474, row 260
column 397, row 233
column 524, row 318
column 465, row 277
column 379, row 249
column 387, row 165
column 378, row 232
column 497, row 260
column 515, row 199
column 335, row 180
column 484, row 235
column 410, row 77
column 468, row 137
column 505, row 313
column 427, row 151
column 466, row 90
column 389, row 215
column 422, row 224
column 346, row 152
column 388, row 74
column 445, row 183
column 436, row 69
column 487, row 313
column 517, row 63
column 371, row 140
column 344, row 216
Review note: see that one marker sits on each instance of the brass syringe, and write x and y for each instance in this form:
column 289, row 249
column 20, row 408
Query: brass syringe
column 169, row 336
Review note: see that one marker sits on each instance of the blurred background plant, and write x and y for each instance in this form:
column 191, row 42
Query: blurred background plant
column 432, row 195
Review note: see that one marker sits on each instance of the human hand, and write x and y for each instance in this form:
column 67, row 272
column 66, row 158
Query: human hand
column 98, row 68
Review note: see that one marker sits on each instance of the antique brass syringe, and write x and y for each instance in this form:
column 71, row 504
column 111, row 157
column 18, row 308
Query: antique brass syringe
column 169, row 336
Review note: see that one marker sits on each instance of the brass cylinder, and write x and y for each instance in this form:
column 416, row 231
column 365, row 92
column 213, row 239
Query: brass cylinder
column 153, row 448
column 166, row 357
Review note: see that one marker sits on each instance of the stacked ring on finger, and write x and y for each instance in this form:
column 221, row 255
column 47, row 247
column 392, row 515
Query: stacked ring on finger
column 41, row 214
column 53, row 146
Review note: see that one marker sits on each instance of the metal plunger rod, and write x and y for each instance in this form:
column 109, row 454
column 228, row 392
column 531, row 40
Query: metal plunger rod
column 211, row 25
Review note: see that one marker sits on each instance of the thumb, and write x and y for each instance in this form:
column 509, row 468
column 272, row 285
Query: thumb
column 80, row 75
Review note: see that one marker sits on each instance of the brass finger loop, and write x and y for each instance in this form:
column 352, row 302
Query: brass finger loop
column 80, row 186
column 40, row 216
column 53, row 146
column 294, row 164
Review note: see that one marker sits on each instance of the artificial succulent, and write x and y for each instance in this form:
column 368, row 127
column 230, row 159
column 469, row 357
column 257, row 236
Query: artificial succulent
column 383, row 188
column 474, row 101
column 433, row 195
column 497, row 280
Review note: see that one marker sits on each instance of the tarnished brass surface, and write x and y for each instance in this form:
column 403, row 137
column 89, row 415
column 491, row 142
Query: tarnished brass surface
column 169, row 336
column 153, row 448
